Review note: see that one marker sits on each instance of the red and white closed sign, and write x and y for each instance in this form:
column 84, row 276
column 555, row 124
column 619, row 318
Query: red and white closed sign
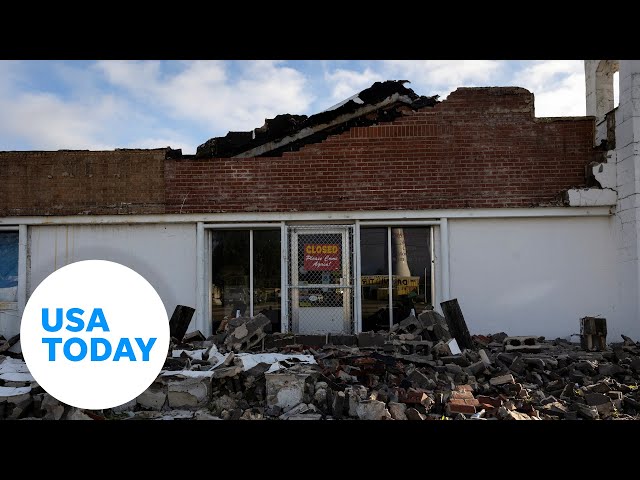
column 321, row 257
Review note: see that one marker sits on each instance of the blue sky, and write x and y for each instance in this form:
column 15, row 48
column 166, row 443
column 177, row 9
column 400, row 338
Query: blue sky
column 102, row 105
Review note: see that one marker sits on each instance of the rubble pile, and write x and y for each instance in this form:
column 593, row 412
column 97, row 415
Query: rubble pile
column 414, row 372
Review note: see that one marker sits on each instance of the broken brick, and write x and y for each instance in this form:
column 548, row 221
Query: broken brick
column 501, row 380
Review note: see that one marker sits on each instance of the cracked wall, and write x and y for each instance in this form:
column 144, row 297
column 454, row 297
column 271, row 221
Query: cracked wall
column 627, row 213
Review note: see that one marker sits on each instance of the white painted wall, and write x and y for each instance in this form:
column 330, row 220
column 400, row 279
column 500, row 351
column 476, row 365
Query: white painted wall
column 163, row 254
column 627, row 157
column 9, row 319
column 538, row 276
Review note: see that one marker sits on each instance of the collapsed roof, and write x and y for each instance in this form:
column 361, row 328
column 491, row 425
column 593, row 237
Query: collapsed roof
column 381, row 102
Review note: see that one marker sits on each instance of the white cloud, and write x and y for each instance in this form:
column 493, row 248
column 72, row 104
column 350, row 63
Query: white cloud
column 345, row 83
column 149, row 104
column 143, row 102
column 47, row 122
column 203, row 92
column 427, row 77
column 558, row 87
column 540, row 73
column 161, row 142
column 445, row 74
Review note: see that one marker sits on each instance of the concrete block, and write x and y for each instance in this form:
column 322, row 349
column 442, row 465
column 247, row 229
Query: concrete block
column 409, row 325
column 397, row 410
column 190, row 392
column 600, row 401
column 342, row 339
column 506, row 414
column 502, row 379
column 372, row 410
column 226, row 372
column 53, row 408
column 610, row 369
column 585, row 411
column 453, row 368
column 453, row 346
column 413, row 414
column 246, row 332
column 224, row 402
column 593, row 333
column 354, row 395
column 154, row 397
column 77, row 414
column 205, row 415
column 252, row 414
column 476, row 368
column 338, row 404
column 306, row 416
column 419, row 379
column 484, row 357
column 298, row 409
column 19, row 409
column 285, row 389
column 320, row 396
column 522, row 344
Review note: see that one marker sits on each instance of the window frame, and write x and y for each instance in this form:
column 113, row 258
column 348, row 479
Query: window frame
column 19, row 304
column 248, row 227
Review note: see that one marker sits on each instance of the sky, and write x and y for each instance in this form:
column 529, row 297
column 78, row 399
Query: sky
column 108, row 104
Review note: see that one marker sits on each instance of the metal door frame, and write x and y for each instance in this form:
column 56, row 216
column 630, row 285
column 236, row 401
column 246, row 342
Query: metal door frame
column 348, row 262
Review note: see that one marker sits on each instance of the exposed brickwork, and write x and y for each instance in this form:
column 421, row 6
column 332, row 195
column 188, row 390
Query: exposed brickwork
column 82, row 182
column 462, row 400
column 480, row 148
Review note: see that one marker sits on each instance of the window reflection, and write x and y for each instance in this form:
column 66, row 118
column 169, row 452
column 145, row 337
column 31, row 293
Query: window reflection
column 230, row 284
column 411, row 274
column 8, row 266
column 266, row 274
column 230, row 275
column 374, row 278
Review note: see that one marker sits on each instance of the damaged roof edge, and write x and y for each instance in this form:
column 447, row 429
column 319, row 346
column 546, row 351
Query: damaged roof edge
column 291, row 132
column 306, row 132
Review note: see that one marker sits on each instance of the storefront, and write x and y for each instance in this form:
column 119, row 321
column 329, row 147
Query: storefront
column 335, row 277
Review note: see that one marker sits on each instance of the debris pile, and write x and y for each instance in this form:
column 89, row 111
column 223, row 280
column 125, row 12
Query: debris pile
column 416, row 371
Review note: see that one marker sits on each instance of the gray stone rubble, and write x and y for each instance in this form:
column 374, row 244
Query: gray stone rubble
column 411, row 373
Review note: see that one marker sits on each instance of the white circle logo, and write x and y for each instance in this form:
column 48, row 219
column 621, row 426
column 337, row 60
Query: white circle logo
column 95, row 334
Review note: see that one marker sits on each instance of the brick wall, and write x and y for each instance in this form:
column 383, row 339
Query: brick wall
column 480, row 148
column 82, row 182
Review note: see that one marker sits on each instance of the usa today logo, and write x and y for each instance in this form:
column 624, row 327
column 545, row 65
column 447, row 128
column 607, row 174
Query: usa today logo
column 95, row 334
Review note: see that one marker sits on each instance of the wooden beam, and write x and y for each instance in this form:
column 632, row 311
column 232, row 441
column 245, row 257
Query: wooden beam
column 180, row 321
column 455, row 322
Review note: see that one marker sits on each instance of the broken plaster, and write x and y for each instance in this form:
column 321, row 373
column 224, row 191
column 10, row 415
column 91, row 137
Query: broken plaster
column 591, row 197
column 605, row 175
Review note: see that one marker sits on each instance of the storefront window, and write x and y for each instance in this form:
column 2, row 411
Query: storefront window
column 8, row 266
column 411, row 267
column 374, row 278
column 410, row 252
column 231, row 293
column 230, row 274
column 266, row 275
